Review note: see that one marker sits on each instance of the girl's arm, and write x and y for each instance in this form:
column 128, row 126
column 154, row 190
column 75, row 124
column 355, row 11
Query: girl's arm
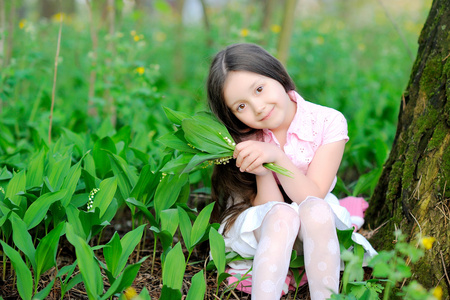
column 250, row 156
column 267, row 189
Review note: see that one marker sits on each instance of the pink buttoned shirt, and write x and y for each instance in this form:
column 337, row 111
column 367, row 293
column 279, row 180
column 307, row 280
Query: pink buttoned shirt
column 313, row 125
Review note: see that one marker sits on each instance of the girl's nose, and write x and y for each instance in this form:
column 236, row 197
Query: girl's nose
column 260, row 108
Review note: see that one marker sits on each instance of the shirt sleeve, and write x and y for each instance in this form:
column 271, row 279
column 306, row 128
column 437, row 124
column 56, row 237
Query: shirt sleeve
column 335, row 127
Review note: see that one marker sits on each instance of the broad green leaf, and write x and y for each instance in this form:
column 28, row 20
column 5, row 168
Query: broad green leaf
column 47, row 249
column 58, row 171
column 129, row 242
column 202, row 137
column 199, row 158
column 5, row 174
column 38, row 209
column 144, row 210
column 178, row 164
column 89, row 164
column 125, row 280
column 35, row 170
column 76, row 139
column 23, row 273
column 185, row 227
column 16, row 185
column 102, row 162
column 141, row 155
column 175, row 117
column 168, row 293
column 70, row 183
column 198, row 287
column 112, row 253
column 176, row 141
column 174, row 267
column 44, row 292
column 167, row 192
column 74, row 219
column 201, row 224
column 105, row 195
column 87, row 264
column 164, row 236
column 126, row 179
column 217, row 245
column 145, row 187
column 22, row 238
column 169, row 220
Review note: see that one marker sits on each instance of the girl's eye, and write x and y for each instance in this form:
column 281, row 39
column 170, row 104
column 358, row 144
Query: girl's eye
column 259, row 89
column 241, row 107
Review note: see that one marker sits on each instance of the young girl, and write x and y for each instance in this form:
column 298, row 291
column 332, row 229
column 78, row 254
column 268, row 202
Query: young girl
column 262, row 213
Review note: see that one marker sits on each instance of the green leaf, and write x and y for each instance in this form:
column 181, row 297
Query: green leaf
column 58, row 171
column 174, row 267
column 202, row 137
column 178, row 164
column 168, row 293
column 126, row 179
column 70, row 183
column 22, row 238
column 167, row 192
column 102, row 162
column 38, row 209
column 105, row 195
column 144, row 210
column 146, row 185
column 175, row 117
column 87, row 264
column 129, row 242
column 176, row 140
column 112, row 252
column 201, row 224
column 185, row 227
column 44, row 292
column 47, row 249
column 169, row 220
column 217, row 245
column 16, row 185
column 23, row 273
column 35, row 170
column 198, row 287
column 199, row 158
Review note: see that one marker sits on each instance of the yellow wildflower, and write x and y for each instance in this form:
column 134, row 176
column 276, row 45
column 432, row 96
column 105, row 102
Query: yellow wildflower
column 437, row 292
column 130, row 293
column 136, row 38
column 275, row 28
column 140, row 70
column 57, row 17
column 427, row 242
column 22, row 23
column 244, row 32
column 133, row 32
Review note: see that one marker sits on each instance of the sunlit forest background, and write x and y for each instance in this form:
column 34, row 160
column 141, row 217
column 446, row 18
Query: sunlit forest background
column 83, row 87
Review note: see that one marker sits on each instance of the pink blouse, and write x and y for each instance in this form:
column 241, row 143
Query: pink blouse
column 313, row 125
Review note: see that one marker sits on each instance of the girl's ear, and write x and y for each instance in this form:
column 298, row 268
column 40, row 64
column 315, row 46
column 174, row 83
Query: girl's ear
column 292, row 95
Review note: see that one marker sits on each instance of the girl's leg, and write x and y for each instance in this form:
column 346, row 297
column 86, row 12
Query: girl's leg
column 321, row 247
column 276, row 238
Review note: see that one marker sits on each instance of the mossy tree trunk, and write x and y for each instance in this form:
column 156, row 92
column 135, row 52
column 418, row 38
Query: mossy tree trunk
column 413, row 193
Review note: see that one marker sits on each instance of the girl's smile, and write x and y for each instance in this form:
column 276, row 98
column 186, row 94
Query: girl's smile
column 257, row 101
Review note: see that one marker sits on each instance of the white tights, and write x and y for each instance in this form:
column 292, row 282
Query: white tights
column 276, row 238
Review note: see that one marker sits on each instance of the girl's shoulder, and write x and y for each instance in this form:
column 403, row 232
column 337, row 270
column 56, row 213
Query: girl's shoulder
column 319, row 112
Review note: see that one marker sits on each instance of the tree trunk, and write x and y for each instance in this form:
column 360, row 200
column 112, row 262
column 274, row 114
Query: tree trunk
column 286, row 31
column 413, row 193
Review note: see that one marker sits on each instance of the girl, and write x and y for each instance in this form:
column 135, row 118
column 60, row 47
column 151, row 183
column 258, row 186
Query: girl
column 263, row 213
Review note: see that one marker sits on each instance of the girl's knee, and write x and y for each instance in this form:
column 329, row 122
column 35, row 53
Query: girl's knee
column 316, row 210
column 283, row 214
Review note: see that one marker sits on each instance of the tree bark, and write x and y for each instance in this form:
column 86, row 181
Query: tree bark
column 413, row 193
column 286, row 31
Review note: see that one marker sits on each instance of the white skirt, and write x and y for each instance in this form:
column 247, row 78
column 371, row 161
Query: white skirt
column 241, row 239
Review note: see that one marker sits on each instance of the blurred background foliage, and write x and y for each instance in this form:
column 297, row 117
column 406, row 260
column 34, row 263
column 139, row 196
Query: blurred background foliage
column 120, row 61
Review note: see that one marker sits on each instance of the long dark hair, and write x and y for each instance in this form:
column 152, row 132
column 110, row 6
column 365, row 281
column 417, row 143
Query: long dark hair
column 233, row 190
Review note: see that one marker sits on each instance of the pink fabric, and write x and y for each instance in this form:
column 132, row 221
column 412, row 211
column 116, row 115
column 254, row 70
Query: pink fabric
column 246, row 284
column 313, row 125
column 356, row 206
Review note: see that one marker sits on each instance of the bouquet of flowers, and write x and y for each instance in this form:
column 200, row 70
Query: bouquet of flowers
column 199, row 141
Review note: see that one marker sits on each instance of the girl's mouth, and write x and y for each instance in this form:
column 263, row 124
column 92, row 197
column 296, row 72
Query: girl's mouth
column 268, row 115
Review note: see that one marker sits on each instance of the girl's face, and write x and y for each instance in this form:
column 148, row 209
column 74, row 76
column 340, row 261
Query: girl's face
column 258, row 101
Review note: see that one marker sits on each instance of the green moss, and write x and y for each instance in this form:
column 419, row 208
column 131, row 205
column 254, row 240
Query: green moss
column 438, row 136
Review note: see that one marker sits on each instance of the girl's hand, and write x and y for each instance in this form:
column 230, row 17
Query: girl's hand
column 251, row 155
